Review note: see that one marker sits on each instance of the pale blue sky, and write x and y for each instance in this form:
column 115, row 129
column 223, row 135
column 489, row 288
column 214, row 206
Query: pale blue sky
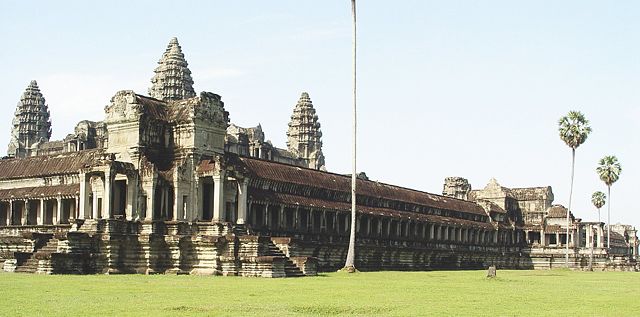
column 446, row 88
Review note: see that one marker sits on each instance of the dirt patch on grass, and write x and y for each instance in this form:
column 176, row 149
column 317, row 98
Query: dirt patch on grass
column 325, row 310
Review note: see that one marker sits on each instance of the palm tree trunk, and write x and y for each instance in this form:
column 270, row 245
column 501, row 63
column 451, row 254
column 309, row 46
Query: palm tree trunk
column 609, row 217
column 573, row 163
column 351, row 253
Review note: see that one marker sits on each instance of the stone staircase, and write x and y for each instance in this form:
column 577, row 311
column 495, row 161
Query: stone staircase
column 290, row 269
column 240, row 230
column 32, row 264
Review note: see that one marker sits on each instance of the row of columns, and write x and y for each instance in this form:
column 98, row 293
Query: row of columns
column 275, row 217
column 40, row 211
column 90, row 205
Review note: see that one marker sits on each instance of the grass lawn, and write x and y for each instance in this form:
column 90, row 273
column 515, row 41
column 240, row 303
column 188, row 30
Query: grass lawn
column 512, row 293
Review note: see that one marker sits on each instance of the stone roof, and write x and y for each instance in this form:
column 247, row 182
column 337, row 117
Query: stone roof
column 340, row 183
column 45, row 165
column 65, row 190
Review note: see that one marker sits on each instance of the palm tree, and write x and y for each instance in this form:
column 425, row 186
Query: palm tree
column 598, row 199
column 609, row 171
column 349, row 265
column 574, row 129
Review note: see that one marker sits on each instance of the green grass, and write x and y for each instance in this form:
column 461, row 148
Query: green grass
column 512, row 293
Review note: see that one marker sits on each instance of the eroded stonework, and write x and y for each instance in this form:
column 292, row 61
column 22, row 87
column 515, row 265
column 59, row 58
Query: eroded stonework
column 172, row 80
column 166, row 184
column 31, row 124
column 304, row 135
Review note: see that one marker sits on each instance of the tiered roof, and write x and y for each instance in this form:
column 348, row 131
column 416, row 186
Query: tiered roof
column 172, row 80
column 31, row 123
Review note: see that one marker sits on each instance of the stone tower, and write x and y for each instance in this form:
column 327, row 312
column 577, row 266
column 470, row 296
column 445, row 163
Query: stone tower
column 303, row 135
column 456, row 187
column 31, row 123
column 172, row 80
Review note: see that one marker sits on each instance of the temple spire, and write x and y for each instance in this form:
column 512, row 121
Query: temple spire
column 304, row 135
column 31, row 124
column 172, row 79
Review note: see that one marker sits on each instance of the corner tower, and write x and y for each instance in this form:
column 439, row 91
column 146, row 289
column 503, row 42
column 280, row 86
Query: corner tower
column 304, row 135
column 172, row 80
column 31, row 123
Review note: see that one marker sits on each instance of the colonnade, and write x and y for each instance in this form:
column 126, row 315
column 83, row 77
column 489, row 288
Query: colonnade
column 280, row 219
column 41, row 211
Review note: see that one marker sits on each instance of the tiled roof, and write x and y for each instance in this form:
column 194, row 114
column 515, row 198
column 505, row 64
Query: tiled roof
column 157, row 109
column 65, row 163
column 40, row 192
column 264, row 196
column 341, row 183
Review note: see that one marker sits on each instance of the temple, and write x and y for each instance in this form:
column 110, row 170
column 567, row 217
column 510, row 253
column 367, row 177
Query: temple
column 167, row 184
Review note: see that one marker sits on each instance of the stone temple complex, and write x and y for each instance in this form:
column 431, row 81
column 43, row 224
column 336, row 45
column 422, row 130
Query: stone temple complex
column 167, row 184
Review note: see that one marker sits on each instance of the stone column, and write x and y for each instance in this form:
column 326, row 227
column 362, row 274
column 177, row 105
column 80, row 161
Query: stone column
column 282, row 219
column 132, row 198
column 218, row 197
column 10, row 213
column 59, row 210
column 196, row 199
column 25, row 212
column 107, row 195
column 94, row 204
column 242, row 201
column 41, row 212
column 600, row 237
column 149, row 187
column 84, row 197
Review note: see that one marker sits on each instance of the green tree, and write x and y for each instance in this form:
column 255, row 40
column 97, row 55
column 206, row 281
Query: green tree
column 598, row 199
column 609, row 172
column 349, row 265
column 574, row 129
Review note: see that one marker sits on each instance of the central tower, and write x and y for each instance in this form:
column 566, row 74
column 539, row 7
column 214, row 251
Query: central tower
column 304, row 135
column 172, row 80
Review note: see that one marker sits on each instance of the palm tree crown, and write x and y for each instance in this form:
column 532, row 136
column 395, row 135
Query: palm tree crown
column 609, row 169
column 574, row 129
column 598, row 199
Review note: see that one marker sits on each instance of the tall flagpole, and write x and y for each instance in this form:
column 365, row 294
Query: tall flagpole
column 350, row 262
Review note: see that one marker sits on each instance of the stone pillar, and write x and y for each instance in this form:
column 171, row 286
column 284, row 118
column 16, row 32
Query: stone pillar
column 84, row 197
column 282, row 219
column 558, row 242
column 218, row 197
column 266, row 220
column 94, row 204
column 149, row 187
column 296, row 219
column 132, row 198
column 543, row 238
column 107, row 195
column 59, row 210
column 25, row 212
column 242, row 201
column 10, row 213
column 41, row 212
column 196, row 199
